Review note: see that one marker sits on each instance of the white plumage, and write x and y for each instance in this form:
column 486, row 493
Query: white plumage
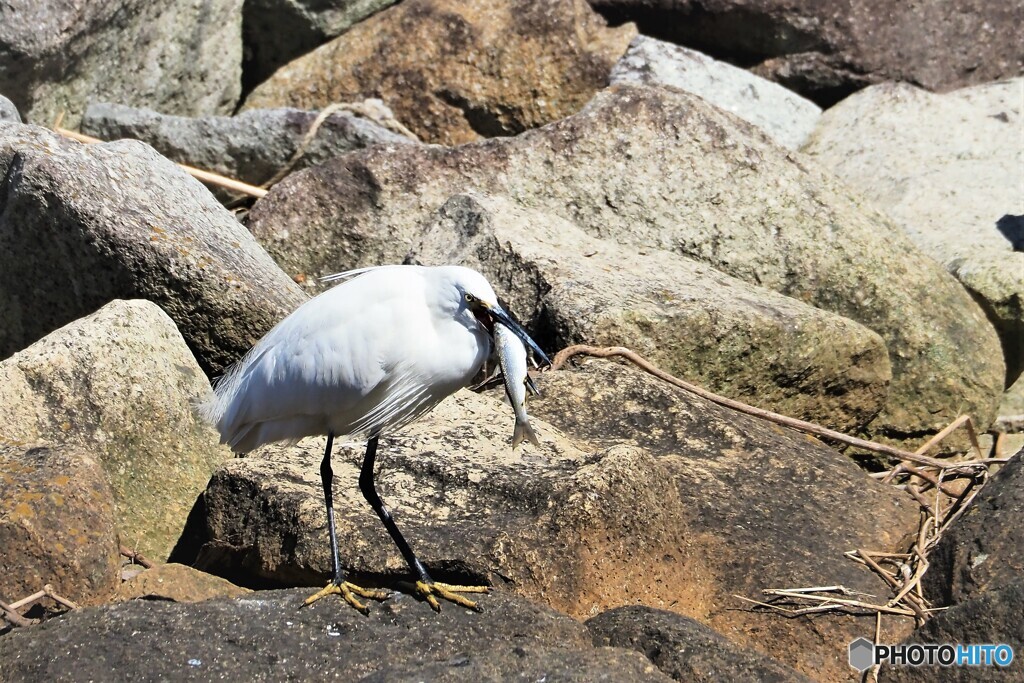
column 365, row 357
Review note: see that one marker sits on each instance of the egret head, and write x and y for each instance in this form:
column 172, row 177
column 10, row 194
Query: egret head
column 479, row 299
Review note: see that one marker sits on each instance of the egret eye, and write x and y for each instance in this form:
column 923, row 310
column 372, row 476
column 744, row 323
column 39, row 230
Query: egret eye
column 470, row 298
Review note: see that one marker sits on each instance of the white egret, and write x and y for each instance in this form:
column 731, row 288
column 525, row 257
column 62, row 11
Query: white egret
column 363, row 359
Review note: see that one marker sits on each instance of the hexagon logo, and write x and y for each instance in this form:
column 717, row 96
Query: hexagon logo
column 862, row 654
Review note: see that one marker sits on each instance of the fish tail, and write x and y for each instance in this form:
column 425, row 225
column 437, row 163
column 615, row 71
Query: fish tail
column 522, row 431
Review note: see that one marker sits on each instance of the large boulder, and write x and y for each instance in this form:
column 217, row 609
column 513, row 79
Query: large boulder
column 56, row 523
column 782, row 114
column 120, row 385
column 480, row 68
column 984, row 550
column 269, row 637
column 181, row 58
column 681, row 506
column 252, row 147
column 277, row 31
column 81, row 225
column 762, row 508
column 826, row 49
column 940, row 165
column 769, row 349
column 653, row 168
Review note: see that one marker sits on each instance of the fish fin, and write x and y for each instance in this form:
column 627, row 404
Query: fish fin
column 522, row 431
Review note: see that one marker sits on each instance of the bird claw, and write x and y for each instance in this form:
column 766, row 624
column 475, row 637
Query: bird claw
column 431, row 591
column 348, row 591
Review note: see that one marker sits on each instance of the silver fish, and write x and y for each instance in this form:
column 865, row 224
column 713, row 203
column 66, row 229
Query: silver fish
column 512, row 358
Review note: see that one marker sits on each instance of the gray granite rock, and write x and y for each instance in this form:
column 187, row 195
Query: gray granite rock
column 178, row 57
column 252, row 147
column 947, row 169
column 770, row 349
column 782, row 114
column 81, row 225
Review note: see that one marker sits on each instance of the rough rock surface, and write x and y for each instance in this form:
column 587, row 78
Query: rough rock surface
column 782, row 114
column 269, row 637
column 826, row 49
column 984, row 550
column 251, row 147
column 768, row 349
column 681, row 506
column 178, row 583
column 277, row 31
column 181, row 58
column 763, row 507
column 945, row 169
column 119, row 384
column 81, row 225
column 657, row 169
column 481, row 68
column 56, row 523
column 992, row 617
column 8, row 112
column 685, row 649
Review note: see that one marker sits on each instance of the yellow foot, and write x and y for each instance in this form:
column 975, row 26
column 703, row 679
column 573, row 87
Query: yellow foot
column 349, row 591
column 431, row 591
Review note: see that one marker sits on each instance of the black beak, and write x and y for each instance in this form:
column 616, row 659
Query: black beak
column 502, row 317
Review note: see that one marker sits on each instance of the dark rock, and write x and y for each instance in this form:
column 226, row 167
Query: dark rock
column 685, row 649
column 994, row 617
column 984, row 550
column 252, row 147
column 268, row 636
column 826, row 50
column 651, row 168
column 179, row 57
column 81, row 225
column 56, row 524
column 481, row 68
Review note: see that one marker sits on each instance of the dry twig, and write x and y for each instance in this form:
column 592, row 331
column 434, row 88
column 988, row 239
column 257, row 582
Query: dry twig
column 197, row 173
column 136, row 557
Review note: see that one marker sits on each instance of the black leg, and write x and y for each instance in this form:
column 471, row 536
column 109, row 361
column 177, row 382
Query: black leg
column 370, row 493
column 327, row 478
